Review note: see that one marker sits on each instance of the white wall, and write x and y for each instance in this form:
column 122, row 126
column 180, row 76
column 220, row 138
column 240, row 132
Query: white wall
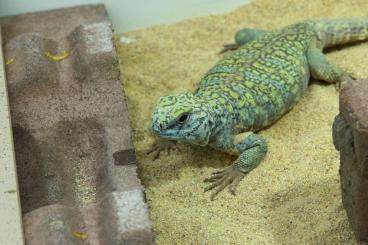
column 129, row 15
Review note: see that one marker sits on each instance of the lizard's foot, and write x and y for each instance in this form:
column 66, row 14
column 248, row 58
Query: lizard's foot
column 229, row 47
column 161, row 145
column 229, row 176
column 345, row 80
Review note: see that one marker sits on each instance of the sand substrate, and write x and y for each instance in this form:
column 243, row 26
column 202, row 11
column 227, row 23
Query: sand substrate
column 294, row 196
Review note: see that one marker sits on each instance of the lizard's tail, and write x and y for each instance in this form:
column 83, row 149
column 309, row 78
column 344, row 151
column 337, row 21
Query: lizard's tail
column 342, row 31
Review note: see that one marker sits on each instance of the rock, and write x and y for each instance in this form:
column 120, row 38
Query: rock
column 350, row 137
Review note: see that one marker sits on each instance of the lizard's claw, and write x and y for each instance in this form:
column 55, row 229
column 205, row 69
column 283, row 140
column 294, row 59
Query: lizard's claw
column 229, row 47
column 162, row 145
column 230, row 176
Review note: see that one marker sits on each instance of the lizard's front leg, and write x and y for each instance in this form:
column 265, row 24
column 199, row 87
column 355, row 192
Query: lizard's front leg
column 252, row 149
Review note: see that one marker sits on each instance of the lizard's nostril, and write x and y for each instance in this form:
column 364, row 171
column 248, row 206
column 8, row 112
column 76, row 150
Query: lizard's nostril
column 161, row 126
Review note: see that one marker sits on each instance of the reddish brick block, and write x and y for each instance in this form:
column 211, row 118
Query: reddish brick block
column 350, row 136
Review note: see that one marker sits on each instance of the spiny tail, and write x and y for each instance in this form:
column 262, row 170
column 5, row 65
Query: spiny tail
column 342, row 31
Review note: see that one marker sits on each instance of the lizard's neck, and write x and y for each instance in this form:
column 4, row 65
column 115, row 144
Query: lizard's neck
column 221, row 115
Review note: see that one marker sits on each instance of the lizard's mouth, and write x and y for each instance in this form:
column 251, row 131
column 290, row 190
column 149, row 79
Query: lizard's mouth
column 166, row 132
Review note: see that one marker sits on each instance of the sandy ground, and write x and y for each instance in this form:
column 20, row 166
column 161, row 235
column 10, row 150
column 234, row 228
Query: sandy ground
column 293, row 197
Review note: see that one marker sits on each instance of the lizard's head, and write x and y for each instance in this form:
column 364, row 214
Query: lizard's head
column 182, row 117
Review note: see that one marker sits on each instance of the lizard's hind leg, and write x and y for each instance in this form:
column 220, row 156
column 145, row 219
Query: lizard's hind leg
column 321, row 69
column 242, row 37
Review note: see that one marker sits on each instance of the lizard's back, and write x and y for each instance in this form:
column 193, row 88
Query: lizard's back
column 263, row 79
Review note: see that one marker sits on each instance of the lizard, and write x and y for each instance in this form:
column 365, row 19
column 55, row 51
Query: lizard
column 249, row 89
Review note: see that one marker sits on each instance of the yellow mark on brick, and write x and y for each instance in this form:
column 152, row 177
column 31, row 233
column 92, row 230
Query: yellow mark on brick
column 9, row 61
column 63, row 56
column 80, row 235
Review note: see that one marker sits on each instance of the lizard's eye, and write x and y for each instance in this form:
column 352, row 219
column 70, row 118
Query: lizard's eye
column 183, row 118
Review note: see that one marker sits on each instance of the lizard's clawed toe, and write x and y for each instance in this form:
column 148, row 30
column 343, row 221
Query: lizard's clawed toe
column 229, row 47
column 220, row 179
column 162, row 145
column 234, row 185
column 215, row 177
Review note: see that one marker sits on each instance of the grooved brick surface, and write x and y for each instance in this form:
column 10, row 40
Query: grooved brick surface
column 75, row 158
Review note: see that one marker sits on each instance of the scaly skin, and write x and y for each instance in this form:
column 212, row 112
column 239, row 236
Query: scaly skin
column 250, row 89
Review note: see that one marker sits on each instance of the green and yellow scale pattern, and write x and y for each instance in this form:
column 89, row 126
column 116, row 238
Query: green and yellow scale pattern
column 251, row 88
column 259, row 82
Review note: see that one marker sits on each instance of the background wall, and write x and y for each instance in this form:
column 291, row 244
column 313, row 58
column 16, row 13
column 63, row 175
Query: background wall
column 129, row 15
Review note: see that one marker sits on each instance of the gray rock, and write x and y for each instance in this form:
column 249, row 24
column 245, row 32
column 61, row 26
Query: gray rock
column 75, row 157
